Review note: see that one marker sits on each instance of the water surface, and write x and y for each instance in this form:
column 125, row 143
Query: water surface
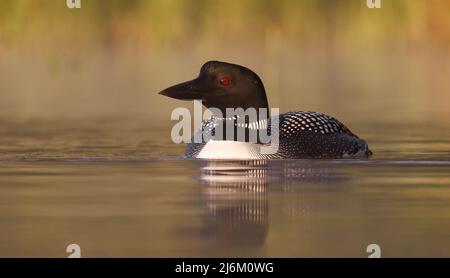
column 122, row 189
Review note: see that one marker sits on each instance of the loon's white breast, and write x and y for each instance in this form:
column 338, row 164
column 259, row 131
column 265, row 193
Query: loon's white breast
column 215, row 149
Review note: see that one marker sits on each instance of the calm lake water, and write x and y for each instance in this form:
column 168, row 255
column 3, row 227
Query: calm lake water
column 122, row 189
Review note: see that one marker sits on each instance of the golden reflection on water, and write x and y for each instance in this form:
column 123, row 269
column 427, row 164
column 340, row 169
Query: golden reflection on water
column 197, row 208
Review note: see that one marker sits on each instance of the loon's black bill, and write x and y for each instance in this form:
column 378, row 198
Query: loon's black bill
column 183, row 91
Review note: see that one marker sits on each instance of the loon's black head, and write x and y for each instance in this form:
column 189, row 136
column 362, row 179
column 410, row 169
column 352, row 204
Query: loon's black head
column 222, row 85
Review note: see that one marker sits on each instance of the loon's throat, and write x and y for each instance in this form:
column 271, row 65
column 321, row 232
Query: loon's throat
column 236, row 128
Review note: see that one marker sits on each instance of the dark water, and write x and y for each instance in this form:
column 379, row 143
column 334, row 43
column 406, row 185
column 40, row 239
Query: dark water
column 121, row 189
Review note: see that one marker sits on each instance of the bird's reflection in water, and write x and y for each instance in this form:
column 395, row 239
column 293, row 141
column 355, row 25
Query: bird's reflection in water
column 235, row 194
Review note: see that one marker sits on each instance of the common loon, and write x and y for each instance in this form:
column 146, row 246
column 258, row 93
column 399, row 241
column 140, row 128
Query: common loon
column 301, row 135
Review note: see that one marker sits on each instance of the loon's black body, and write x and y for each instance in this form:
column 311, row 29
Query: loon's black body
column 301, row 134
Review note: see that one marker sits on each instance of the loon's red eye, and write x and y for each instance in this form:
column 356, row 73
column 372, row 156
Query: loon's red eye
column 225, row 81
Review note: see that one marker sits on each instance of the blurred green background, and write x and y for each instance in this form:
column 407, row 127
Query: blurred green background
column 111, row 57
